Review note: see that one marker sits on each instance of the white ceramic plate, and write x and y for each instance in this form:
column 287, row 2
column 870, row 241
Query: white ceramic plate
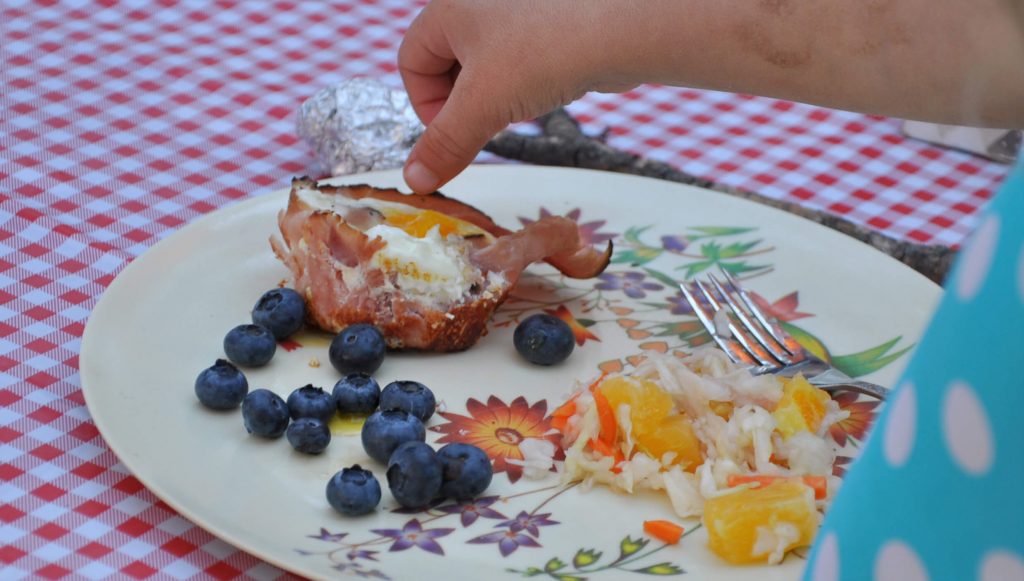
column 164, row 317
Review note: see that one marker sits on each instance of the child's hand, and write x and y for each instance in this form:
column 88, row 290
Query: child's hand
column 473, row 67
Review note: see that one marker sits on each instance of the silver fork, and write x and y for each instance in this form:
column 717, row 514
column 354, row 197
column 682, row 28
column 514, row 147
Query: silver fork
column 750, row 338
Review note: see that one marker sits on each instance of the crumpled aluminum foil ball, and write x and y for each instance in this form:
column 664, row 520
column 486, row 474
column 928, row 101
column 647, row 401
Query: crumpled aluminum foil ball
column 359, row 125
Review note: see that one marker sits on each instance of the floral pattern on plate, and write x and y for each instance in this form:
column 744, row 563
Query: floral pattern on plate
column 633, row 298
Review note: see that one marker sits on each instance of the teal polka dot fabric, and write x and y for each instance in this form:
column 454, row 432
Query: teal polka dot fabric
column 938, row 492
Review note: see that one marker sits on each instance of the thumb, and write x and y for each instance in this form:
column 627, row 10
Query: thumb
column 452, row 139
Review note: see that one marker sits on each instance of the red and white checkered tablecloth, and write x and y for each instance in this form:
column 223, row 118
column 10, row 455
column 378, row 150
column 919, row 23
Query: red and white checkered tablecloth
column 122, row 120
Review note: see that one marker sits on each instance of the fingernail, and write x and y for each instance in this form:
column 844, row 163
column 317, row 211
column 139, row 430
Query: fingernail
column 420, row 178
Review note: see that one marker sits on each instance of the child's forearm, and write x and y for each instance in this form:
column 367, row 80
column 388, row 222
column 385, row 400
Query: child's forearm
column 952, row 61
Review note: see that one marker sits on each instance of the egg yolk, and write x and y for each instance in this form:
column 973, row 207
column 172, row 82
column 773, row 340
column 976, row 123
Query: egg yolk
column 419, row 223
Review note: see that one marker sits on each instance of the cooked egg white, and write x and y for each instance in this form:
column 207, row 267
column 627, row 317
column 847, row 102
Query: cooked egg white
column 424, row 250
column 428, row 267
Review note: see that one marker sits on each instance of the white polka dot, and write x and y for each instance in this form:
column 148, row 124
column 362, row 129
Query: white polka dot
column 1000, row 565
column 966, row 429
column 977, row 258
column 826, row 564
column 898, row 437
column 898, row 562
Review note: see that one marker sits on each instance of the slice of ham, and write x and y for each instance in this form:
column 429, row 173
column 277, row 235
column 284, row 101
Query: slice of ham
column 332, row 263
column 582, row 261
column 513, row 252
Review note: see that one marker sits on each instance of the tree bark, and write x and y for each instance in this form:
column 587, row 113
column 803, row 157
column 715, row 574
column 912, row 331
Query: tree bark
column 563, row 143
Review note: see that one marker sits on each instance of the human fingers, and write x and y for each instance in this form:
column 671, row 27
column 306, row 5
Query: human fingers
column 461, row 127
column 427, row 64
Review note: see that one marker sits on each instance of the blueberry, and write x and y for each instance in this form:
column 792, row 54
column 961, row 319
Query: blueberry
column 467, row 471
column 353, row 491
column 386, row 430
column 357, row 349
column 543, row 339
column 356, row 393
column 221, row 387
column 281, row 310
column 311, row 402
column 250, row 345
column 265, row 413
column 308, row 435
column 414, row 474
column 410, row 396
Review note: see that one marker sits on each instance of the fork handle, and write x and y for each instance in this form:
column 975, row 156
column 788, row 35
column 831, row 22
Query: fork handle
column 864, row 387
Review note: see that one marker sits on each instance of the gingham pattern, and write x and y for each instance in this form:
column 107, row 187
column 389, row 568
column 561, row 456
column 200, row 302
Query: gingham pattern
column 121, row 121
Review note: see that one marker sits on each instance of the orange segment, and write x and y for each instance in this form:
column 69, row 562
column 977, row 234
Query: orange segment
column 733, row 520
column 801, row 408
column 648, row 403
column 722, row 409
column 656, row 429
column 672, row 434
column 420, row 222
column 818, row 483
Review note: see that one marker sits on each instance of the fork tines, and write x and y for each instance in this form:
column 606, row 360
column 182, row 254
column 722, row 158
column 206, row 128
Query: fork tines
column 742, row 330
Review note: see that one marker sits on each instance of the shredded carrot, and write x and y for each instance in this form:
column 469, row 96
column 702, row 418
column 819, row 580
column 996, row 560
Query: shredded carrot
column 818, row 483
column 600, row 447
column 619, row 458
column 598, row 381
column 605, row 449
column 560, row 417
column 606, row 416
column 663, row 530
column 566, row 409
column 559, row 422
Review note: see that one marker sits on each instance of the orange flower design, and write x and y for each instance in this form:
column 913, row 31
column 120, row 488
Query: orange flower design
column 862, row 415
column 580, row 332
column 497, row 428
column 783, row 309
column 638, row 334
column 659, row 346
column 636, row 360
column 840, row 465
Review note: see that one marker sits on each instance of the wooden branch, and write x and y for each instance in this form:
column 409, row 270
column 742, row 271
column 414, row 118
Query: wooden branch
column 563, row 143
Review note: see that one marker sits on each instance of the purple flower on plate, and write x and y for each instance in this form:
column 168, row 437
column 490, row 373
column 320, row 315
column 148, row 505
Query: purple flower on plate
column 674, row 243
column 679, row 305
column 327, row 536
column 413, row 534
column 508, row 541
column 528, row 522
column 474, row 509
column 631, row 283
column 360, row 554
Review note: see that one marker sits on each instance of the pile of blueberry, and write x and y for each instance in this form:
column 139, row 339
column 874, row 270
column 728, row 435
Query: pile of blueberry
column 394, row 432
column 278, row 314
